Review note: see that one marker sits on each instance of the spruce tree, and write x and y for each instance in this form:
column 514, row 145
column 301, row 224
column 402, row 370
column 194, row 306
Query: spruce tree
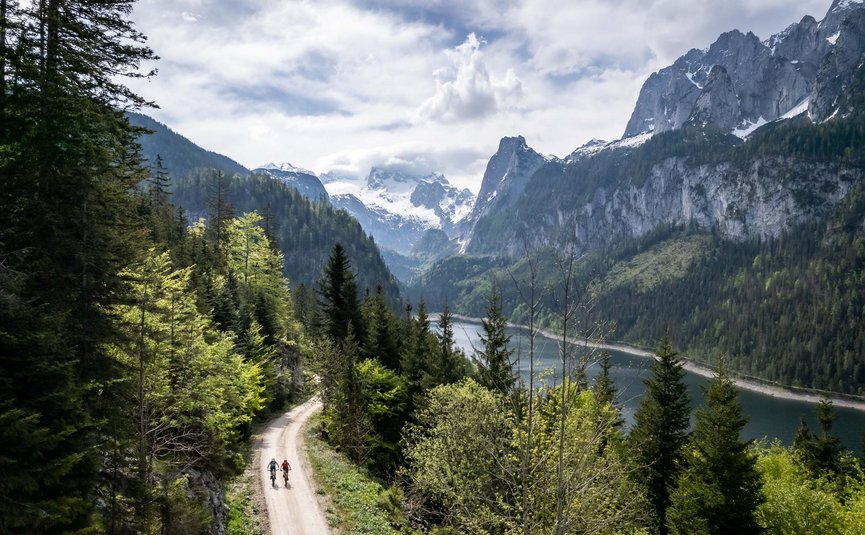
column 720, row 488
column 447, row 364
column 419, row 347
column 821, row 454
column 661, row 429
column 496, row 370
column 382, row 333
column 339, row 302
column 604, row 388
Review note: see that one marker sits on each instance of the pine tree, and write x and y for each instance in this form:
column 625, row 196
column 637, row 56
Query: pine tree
column 418, row 349
column 349, row 425
column 821, row 454
column 496, row 368
column 220, row 210
column 827, row 448
column 447, row 364
column 604, row 388
column 720, row 488
column 661, row 429
column 339, row 302
column 382, row 333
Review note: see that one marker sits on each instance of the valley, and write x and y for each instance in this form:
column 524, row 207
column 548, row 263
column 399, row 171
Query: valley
column 172, row 317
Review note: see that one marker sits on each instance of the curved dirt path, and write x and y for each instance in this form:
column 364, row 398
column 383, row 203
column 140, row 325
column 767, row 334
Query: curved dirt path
column 294, row 509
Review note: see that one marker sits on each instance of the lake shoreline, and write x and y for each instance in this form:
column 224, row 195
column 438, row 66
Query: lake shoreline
column 744, row 383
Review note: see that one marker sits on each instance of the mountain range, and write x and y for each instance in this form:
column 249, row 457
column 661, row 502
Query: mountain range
column 293, row 202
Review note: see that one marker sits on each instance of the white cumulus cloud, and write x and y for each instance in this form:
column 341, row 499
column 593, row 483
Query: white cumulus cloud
column 466, row 90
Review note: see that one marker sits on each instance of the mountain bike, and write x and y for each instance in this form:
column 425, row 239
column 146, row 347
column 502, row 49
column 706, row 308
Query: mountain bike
column 285, row 477
column 273, row 478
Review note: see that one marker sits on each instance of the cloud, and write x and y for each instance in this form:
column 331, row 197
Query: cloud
column 417, row 159
column 466, row 90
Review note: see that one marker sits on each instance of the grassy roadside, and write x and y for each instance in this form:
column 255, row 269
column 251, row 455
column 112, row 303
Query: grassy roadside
column 359, row 504
column 244, row 511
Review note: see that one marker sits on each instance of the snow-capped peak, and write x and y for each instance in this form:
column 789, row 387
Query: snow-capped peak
column 286, row 168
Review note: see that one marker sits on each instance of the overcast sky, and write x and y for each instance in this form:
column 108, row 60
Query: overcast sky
column 417, row 85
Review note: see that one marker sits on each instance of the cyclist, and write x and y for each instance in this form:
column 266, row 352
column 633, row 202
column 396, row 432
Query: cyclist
column 272, row 466
column 285, row 468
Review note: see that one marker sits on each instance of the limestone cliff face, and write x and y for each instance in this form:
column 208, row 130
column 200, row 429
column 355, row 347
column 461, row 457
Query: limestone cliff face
column 769, row 78
column 762, row 200
column 717, row 104
column 839, row 67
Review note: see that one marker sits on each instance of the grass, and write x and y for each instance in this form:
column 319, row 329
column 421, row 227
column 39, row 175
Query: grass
column 243, row 519
column 357, row 500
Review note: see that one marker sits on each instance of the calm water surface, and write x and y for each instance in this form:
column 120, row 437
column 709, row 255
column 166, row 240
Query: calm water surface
column 768, row 417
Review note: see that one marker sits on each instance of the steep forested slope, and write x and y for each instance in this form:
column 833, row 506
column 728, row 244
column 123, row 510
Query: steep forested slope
column 304, row 231
column 179, row 155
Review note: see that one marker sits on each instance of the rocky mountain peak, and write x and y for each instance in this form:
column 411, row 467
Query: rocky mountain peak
column 506, row 176
column 838, row 11
column 717, row 104
column 769, row 78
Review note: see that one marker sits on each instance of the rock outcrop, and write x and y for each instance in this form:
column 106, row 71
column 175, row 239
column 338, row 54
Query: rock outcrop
column 839, row 67
column 717, row 104
column 769, row 78
column 505, row 178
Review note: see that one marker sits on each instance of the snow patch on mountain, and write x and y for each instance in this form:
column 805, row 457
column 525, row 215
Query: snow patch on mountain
column 596, row 146
column 303, row 180
column 747, row 128
column 400, row 207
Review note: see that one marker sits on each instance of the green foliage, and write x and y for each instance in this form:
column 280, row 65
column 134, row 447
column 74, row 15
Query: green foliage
column 823, row 454
column 385, row 399
column 660, row 430
column 597, row 489
column 645, row 271
column 447, row 363
column 382, row 331
column 361, row 504
column 179, row 355
column 795, row 503
column 304, row 231
column 68, row 224
column 720, row 488
column 458, row 453
column 339, row 300
column 419, row 347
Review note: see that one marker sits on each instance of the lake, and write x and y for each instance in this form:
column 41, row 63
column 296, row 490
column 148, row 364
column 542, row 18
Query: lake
column 768, row 417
